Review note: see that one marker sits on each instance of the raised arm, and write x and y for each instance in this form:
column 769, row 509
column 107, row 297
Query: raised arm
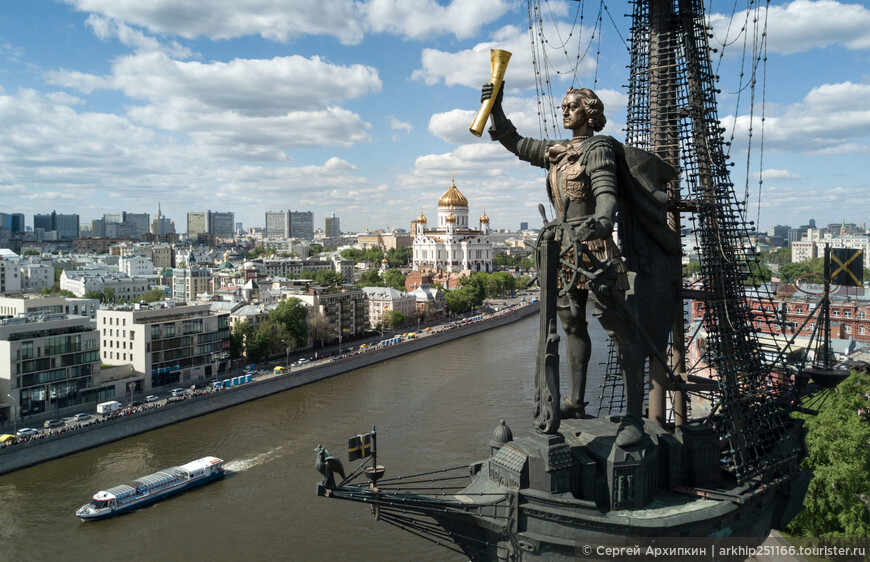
column 502, row 130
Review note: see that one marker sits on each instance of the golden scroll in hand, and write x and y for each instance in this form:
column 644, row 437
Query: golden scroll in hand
column 498, row 61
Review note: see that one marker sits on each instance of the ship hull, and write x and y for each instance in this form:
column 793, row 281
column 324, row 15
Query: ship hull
column 150, row 499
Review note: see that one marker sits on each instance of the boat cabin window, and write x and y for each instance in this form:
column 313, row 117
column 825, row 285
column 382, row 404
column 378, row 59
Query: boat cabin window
column 99, row 504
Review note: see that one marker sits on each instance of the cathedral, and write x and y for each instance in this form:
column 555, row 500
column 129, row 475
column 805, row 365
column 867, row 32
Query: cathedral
column 451, row 246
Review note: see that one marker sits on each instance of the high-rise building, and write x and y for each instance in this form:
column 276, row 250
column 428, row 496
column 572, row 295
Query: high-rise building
column 67, row 226
column 136, row 224
column 332, row 228
column 161, row 225
column 13, row 221
column 524, row 226
column 222, row 224
column 198, row 223
column 302, row 225
column 219, row 225
column 277, row 225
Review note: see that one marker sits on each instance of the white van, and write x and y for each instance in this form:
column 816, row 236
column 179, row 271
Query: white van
column 177, row 391
column 108, row 407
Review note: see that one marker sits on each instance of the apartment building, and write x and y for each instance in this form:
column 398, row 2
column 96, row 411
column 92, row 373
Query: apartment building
column 169, row 345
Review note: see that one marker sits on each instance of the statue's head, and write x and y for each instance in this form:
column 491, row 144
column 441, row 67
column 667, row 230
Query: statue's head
column 592, row 106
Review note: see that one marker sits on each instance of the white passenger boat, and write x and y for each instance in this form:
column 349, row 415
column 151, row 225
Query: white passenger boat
column 151, row 488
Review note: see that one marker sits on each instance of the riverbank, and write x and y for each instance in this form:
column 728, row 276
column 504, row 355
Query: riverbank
column 39, row 450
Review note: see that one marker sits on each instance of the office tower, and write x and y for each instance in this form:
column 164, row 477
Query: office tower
column 67, row 226
column 332, row 229
column 302, row 225
column 277, row 225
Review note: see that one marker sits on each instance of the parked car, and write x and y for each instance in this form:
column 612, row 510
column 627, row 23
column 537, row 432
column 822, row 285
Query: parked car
column 177, row 391
column 27, row 432
column 81, row 417
column 52, row 423
column 152, row 398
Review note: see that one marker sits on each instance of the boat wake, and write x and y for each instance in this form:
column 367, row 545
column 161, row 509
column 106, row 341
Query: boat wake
column 242, row 465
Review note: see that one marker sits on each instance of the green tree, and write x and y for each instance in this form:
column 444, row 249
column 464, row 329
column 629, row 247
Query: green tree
column 241, row 331
column 320, row 328
column 790, row 271
column 315, row 249
column 370, row 278
column 266, row 340
column 325, row 277
column 395, row 279
column 398, row 257
column 154, row 295
column 838, row 446
column 292, row 314
column 393, row 319
column 778, row 256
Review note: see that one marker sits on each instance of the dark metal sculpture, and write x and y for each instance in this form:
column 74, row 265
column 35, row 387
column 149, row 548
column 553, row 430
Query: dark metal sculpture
column 594, row 184
column 328, row 466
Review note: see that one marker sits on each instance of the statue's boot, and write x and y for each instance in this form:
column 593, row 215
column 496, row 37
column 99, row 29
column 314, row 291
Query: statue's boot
column 630, row 432
column 570, row 410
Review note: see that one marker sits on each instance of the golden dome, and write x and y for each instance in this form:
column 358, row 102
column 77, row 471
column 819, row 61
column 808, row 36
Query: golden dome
column 452, row 197
column 450, row 218
column 484, row 218
column 421, row 218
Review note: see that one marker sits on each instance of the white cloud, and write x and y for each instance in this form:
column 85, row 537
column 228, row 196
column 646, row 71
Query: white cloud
column 774, row 174
column 277, row 20
column 830, row 118
column 398, row 127
column 802, row 25
column 94, row 163
column 419, row 19
column 255, row 108
column 106, row 29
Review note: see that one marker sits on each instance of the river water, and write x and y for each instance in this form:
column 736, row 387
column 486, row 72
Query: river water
column 433, row 409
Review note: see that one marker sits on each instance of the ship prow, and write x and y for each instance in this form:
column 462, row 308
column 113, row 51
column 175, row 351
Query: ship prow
column 542, row 495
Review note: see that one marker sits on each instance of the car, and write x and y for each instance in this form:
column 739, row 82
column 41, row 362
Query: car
column 135, row 403
column 177, row 391
column 52, row 423
column 27, row 432
column 81, row 417
column 152, row 398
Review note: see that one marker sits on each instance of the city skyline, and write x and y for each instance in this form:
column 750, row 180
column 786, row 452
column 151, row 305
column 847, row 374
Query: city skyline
column 106, row 106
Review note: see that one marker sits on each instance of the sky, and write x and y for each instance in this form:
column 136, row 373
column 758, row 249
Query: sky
column 362, row 107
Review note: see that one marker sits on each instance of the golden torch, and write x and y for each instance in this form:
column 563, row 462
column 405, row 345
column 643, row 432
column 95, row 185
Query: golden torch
column 498, row 63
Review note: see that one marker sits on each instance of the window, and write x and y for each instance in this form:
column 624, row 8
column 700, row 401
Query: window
column 835, row 313
column 862, row 315
column 848, row 329
column 847, row 314
column 861, row 330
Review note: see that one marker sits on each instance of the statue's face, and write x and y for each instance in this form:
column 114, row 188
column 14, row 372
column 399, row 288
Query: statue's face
column 573, row 114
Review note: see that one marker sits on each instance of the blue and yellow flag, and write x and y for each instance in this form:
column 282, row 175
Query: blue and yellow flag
column 359, row 447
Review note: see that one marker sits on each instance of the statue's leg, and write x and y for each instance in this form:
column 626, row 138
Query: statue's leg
column 630, row 350
column 578, row 349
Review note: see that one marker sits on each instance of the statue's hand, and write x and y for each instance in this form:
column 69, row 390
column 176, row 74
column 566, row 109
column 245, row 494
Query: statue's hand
column 590, row 229
column 486, row 93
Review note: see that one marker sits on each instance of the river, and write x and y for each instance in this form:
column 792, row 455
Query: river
column 435, row 408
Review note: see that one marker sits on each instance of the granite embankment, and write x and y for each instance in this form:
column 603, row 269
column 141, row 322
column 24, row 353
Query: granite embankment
column 40, row 450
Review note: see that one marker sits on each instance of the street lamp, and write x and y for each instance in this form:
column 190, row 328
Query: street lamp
column 286, row 354
column 14, row 415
